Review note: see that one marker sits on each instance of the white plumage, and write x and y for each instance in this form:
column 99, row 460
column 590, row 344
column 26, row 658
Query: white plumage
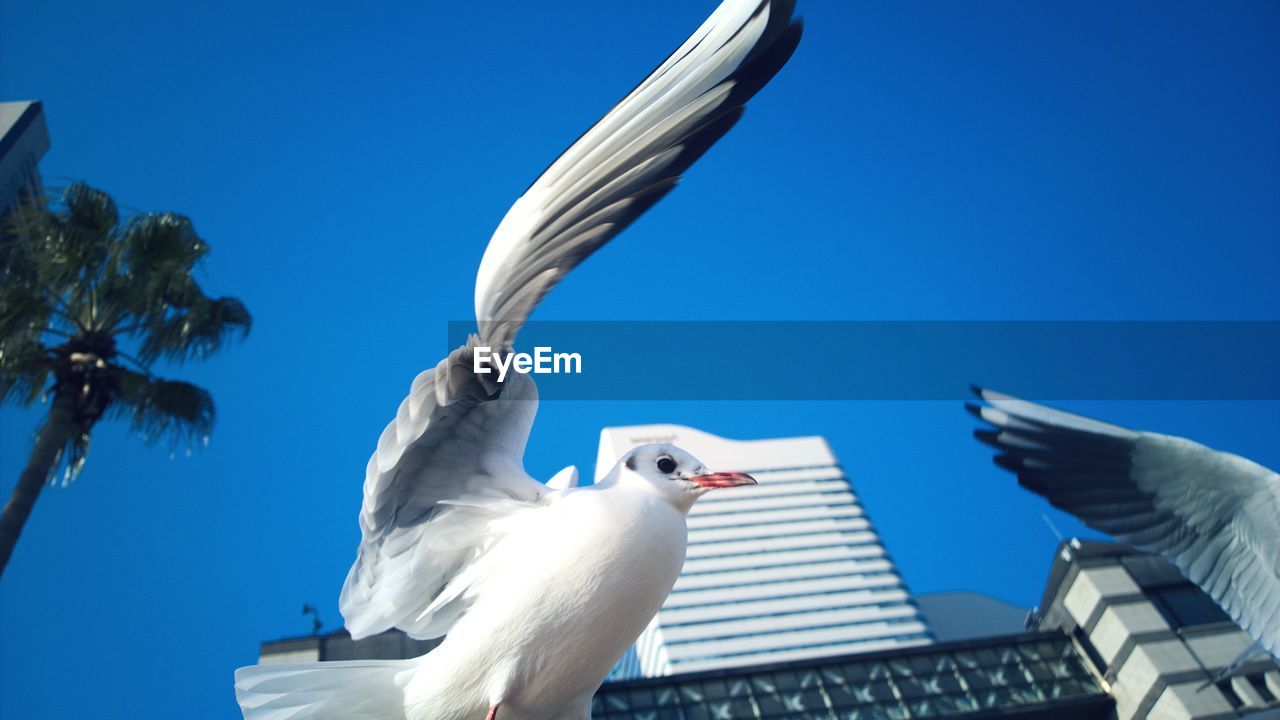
column 1213, row 514
column 540, row 588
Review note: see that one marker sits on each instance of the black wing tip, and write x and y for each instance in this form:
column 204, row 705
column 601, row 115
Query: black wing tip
column 1009, row 462
column 760, row 66
column 989, row 437
column 975, row 410
column 783, row 12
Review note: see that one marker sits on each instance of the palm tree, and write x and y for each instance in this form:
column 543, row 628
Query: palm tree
column 77, row 284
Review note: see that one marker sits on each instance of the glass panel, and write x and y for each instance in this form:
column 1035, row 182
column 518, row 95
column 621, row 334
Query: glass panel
column 854, row 673
column 831, row 676
column 640, row 699
column 787, row 680
column 770, row 705
column 721, row 710
column 814, row 700
column 764, row 684
column 911, row 688
column 692, row 693
column 665, row 696
column 841, row 697
column 715, row 689
column 809, row 679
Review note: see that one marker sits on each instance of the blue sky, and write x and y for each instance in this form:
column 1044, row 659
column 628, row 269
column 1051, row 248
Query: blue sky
column 347, row 163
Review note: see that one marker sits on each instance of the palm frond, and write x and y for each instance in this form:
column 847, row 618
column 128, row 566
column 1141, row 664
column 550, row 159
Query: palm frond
column 24, row 370
column 76, row 454
column 27, row 312
column 164, row 409
column 157, row 241
column 90, row 209
column 70, row 246
column 196, row 331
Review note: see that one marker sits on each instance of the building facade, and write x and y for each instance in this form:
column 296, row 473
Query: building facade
column 784, row 570
column 24, row 139
column 1156, row 640
column 388, row 645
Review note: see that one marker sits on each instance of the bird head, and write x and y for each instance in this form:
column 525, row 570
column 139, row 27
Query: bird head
column 673, row 474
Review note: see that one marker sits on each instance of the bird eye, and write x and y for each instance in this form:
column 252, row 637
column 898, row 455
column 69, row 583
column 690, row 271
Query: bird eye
column 666, row 465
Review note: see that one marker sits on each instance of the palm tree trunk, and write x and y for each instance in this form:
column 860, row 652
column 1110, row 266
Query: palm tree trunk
column 49, row 443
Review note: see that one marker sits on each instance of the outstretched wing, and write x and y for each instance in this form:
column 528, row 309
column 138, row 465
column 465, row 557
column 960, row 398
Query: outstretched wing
column 448, row 470
column 1213, row 514
column 631, row 158
column 451, row 461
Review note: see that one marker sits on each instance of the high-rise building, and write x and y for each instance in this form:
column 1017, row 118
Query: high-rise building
column 785, row 570
column 24, row 139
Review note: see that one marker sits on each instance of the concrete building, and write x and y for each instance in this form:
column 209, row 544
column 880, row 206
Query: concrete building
column 389, row 645
column 785, row 570
column 24, row 139
column 1155, row 638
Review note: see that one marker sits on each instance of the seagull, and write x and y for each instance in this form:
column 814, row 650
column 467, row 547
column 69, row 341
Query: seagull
column 1214, row 515
column 537, row 589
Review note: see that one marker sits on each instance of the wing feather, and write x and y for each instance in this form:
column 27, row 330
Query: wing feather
column 630, row 159
column 454, row 436
column 1216, row 516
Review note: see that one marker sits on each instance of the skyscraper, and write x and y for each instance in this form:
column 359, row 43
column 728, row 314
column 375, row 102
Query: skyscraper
column 24, row 139
column 784, row 570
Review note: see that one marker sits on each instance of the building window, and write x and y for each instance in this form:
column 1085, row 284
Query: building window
column 1229, row 693
column 1259, row 683
column 1082, row 640
column 1186, row 605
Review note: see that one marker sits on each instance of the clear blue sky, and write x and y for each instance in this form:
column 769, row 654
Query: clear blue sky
column 348, row 161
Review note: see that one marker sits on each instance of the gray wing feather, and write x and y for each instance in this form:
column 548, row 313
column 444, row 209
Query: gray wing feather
column 455, row 436
column 1213, row 514
column 630, row 159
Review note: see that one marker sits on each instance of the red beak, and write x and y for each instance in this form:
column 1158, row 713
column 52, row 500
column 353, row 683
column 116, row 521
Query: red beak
column 720, row 480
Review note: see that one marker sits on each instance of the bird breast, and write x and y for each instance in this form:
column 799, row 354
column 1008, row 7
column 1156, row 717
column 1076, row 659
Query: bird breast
column 571, row 585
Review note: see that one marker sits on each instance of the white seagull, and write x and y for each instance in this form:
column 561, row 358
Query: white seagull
column 1213, row 514
column 540, row 590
